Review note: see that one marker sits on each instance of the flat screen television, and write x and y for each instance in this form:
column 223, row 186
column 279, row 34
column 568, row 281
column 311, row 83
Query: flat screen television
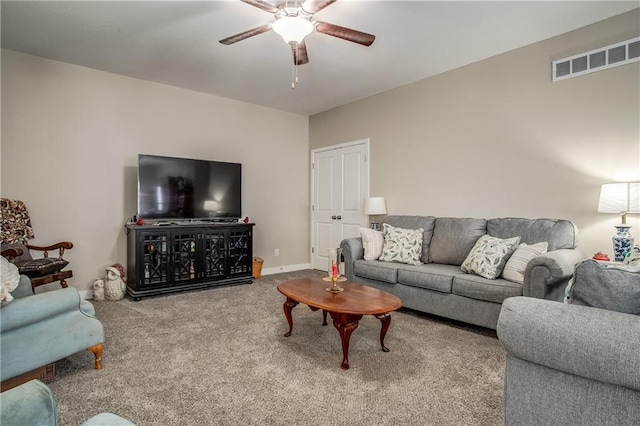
column 183, row 188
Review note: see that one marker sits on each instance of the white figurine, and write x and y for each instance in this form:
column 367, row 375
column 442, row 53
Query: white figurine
column 98, row 290
column 114, row 283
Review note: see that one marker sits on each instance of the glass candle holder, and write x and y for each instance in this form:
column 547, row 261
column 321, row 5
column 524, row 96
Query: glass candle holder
column 333, row 269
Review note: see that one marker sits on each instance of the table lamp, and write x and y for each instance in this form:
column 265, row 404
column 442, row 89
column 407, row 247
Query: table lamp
column 621, row 198
column 374, row 206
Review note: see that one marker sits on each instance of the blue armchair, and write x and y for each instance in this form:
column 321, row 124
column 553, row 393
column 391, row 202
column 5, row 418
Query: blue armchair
column 32, row 403
column 36, row 330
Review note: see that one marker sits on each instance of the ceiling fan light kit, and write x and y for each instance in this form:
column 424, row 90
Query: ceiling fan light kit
column 292, row 28
column 293, row 24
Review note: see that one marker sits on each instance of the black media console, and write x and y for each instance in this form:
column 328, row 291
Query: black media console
column 186, row 256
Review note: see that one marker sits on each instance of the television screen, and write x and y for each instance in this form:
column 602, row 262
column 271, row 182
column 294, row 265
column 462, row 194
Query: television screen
column 182, row 188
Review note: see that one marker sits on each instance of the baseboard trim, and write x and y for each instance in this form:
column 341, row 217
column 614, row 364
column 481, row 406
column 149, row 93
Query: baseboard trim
column 88, row 294
column 285, row 268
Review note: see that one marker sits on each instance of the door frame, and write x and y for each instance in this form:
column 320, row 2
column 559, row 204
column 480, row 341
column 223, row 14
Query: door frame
column 312, row 193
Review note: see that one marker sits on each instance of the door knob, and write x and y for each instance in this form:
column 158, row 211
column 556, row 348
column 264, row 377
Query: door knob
column 334, row 217
column 339, row 217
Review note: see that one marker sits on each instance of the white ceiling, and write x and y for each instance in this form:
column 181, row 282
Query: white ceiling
column 176, row 42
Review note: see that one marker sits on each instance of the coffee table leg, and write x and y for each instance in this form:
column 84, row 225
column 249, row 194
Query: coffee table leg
column 345, row 324
column 385, row 319
column 324, row 317
column 287, row 307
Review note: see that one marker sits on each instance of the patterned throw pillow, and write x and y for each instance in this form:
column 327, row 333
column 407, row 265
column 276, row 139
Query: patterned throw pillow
column 517, row 263
column 401, row 245
column 372, row 241
column 489, row 255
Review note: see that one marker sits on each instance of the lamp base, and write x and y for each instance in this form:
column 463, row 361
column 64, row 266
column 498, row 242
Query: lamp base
column 622, row 242
column 375, row 225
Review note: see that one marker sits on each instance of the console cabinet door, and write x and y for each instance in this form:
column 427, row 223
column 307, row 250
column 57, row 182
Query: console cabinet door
column 214, row 254
column 183, row 255
column 239, row 251
column 154, row 270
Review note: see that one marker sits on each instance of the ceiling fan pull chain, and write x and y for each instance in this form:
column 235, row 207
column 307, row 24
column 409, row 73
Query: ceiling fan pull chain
column 294, row 76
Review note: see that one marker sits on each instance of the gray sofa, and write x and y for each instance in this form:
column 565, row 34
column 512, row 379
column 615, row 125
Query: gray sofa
column 440, row 287
column 574, row 364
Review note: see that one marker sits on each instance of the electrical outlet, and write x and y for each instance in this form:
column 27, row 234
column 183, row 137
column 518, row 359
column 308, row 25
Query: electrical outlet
column 276, row 252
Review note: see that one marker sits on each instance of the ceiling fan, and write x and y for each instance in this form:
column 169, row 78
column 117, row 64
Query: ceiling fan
column 294, row 22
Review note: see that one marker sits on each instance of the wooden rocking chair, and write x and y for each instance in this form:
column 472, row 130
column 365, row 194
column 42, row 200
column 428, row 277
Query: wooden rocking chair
column 16, row 231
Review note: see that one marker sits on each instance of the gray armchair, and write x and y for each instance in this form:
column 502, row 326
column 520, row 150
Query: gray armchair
column 573, row 364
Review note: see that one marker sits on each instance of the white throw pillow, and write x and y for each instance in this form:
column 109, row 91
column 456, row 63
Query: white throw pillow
column 372, row 242
column 517, row 263
column 489, row 255
column 402, row 245
column 9, row 279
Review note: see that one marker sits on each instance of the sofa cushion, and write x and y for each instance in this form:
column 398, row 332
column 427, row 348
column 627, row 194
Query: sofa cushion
column 42, row 266
column 489, row 255
column 401, row 245
column 377, row 270
column 372, row 241
column 427, row 223
column 432, row 276
column 560, row 234
column 453, row 239
column 517, row 263
column 479, row 288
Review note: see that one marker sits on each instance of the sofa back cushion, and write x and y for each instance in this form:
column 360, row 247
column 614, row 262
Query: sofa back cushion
column 427, row 223
column 560, row 234
column 600, row 286
column 453, row 239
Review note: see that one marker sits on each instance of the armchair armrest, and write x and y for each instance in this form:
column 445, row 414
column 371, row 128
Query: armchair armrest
column 61, row 246
column 32, row 309
column 31, row 403
column 12, row 253
column 352, row 250
column 588, row 342
column 547, row 275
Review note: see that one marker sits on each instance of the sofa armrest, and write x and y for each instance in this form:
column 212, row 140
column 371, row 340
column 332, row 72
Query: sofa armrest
column 31, row 403
column 547, row 275
column 588, row 342
column 32, row 309
column 352, row 250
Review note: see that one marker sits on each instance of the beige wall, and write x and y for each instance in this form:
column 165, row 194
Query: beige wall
column 498, row 138
column 70, row 139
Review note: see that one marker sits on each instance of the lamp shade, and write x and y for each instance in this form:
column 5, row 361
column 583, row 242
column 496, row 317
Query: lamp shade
column 375, row 206
column 292, row 28
column 620, row 198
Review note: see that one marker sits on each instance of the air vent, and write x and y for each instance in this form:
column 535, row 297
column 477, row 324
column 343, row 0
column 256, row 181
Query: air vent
column 604, row 58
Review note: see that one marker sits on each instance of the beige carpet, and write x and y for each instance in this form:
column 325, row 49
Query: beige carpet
column 218, row 356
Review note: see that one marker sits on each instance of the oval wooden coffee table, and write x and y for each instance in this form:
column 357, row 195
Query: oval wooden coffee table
column 346, row 308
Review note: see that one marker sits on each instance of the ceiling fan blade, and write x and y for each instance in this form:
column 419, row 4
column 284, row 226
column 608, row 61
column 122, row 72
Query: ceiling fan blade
column 314, row 6
column 299, row 53
column 345, row 33
column 263, row 5
column 246, row 34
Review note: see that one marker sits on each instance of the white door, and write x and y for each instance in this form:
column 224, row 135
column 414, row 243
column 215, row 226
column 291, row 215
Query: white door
column 340, row 183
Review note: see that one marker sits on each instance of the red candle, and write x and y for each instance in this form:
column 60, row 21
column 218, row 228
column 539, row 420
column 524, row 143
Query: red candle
column 334, row 269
